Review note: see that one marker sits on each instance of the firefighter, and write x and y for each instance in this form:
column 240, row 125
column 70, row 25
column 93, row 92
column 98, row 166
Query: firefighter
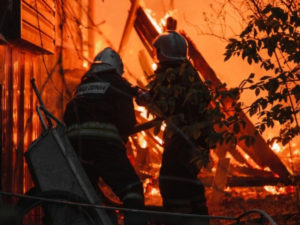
column 99, row 119
column 180, row 189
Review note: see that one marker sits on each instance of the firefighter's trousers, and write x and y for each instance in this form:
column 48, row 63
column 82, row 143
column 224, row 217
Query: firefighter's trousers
column 107, row 159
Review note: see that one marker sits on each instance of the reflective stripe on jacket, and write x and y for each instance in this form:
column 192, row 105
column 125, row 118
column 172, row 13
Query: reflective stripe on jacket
column 94, row 129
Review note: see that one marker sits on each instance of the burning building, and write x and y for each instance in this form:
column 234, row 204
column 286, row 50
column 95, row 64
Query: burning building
column 54, row 41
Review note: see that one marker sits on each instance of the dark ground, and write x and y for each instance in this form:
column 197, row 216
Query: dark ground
column 283, row 208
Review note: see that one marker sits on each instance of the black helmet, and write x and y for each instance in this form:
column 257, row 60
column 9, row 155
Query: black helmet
column 170, row 46
column 107, row 59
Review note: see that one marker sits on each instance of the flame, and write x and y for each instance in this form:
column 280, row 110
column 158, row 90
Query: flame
column 160, row 141
column 160, row 26
column 150, row 15
column 163, row 21
column 251, row 162
column 141, row 138
column 143, row 112
column 154, row 191
column 85, row 64
column 267, row 169
column 154, row 66
column 150, row 189
column 163, row 126
column 276, row 148
column 275, row 190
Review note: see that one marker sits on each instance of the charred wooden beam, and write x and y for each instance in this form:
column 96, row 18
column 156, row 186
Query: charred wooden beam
column 239, row 157
column 145, row 29
column 129, row 25
column 243, row 170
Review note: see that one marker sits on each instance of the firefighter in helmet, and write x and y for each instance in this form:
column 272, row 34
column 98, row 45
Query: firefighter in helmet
column 174, row 80
column 99, row 119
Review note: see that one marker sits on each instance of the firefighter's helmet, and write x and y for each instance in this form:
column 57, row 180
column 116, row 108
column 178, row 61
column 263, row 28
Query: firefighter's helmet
column 170, row 46
column 106, row 60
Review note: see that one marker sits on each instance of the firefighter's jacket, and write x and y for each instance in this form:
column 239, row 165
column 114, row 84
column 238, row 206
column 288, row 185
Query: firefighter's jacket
column 181, row 97
column 101, row 107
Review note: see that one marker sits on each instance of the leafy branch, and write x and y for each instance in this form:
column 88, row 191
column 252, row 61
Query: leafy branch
column 272, row 31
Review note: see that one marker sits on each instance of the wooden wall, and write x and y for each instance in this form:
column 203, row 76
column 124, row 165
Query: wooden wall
column 56, row 75
column 19, row 120
column 20, row 124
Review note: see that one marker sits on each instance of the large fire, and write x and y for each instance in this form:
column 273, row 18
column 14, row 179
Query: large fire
column 150, row 184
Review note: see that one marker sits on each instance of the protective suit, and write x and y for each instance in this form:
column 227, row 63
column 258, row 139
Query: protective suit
column 99, row 119
column 180, row 97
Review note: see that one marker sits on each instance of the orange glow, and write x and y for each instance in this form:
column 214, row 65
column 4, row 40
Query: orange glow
column 143, row 143
column 154, row 191
column 251, row 162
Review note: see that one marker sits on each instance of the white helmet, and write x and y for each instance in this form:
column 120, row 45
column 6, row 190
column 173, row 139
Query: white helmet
column 170, row 46
column 107, row 59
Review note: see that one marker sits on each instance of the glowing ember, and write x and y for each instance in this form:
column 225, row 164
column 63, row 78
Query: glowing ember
column 267, row 169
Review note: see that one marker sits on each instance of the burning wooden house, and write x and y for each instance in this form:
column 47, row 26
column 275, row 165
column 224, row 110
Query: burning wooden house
column 54, row 42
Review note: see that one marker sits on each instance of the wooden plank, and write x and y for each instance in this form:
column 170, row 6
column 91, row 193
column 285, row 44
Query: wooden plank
column 6, row 156
column 145, row 63
column 32, row 35
column 128, row 25
column 145, row 29
column 220, row 179
column 2, row 63
column 243, row 170
column 142, row 33
column 37, row 21
column 42, row 7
